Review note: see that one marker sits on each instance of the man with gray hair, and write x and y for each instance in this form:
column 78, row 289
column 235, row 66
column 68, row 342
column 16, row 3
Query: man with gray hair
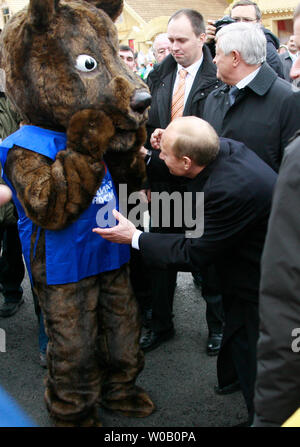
column 161, row 47
column 254, row 105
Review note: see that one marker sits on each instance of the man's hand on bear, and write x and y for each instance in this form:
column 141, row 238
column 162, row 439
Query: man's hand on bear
column 89, row 132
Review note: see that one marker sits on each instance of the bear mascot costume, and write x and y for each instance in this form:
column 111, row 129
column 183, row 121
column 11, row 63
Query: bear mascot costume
column 84, row 118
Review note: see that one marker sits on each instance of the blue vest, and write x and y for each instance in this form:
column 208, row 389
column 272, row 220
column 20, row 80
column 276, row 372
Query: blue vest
column 75, row 252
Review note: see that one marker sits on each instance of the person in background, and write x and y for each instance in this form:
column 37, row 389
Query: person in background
column 179, row 86
column 277, row 388
column 12, row 269
column 249, row 12
column 161, row 47
column 288, row 58
column 127, row 54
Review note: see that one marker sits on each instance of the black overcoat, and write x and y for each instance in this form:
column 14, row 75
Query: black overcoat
column 237, row 190
column 277, row 394
column 264, row 117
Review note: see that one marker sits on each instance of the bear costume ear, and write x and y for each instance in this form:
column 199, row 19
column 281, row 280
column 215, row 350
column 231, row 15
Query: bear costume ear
column 112, row 7
column 40, row 13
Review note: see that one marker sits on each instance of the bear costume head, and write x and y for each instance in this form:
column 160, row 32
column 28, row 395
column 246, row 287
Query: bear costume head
column 61, row 56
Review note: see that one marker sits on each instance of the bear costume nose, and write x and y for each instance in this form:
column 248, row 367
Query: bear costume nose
column 140, row 100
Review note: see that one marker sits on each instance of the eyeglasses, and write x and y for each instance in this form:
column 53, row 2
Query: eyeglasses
column 244, row 19
column 163, row 50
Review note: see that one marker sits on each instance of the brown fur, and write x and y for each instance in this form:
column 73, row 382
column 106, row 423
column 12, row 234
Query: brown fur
column 93, row 325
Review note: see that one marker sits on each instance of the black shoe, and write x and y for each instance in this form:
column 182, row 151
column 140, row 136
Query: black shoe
column 214, row 344
column 9, row 309
column 152, row 340
column 229, row 389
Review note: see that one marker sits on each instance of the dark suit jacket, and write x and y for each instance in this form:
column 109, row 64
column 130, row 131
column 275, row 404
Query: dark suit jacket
column 264, row 117
column 237, row 189
column 161, row 81
column 287, row 65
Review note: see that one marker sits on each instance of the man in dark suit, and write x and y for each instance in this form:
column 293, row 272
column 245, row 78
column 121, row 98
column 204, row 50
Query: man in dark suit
column 186, row 33
column 256, row 107
column 237, row 189
column 288, row 58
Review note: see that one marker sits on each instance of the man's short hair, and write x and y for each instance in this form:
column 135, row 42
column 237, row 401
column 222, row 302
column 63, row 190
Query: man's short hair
column 126, row 48
column 202, row 149
column 248, row 39
column 248, row 3
column 195, row 18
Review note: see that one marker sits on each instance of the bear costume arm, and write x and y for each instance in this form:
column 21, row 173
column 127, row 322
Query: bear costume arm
column 53, row 194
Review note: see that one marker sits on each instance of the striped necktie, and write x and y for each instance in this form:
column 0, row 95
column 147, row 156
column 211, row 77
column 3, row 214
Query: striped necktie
column 178, row 97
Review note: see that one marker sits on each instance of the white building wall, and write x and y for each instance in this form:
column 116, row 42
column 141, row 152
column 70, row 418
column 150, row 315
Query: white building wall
column 13, row 5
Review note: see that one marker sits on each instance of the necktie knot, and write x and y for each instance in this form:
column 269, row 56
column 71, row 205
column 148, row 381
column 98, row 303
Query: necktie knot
column 182, row 73
column 233, row 94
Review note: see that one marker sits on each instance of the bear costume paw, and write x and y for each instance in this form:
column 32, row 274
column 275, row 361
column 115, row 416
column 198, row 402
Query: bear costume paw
column 89, row 132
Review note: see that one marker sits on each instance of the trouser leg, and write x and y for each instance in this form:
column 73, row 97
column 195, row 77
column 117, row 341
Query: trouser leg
column 163, row 284
column 237, row 357
column 119, row 349
column 141, row 281
column 214, row 314
column 12, row 268
column 243, row 348
column 212, row 295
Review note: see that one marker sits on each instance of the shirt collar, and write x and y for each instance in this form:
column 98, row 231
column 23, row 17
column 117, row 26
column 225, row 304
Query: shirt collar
column 243, row 82
column 192, row 69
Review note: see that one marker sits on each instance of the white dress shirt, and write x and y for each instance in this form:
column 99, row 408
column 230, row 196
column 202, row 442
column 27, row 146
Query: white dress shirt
column 192, row 71
column 243, row 82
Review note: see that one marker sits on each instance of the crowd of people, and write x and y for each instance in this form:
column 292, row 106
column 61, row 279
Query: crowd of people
column 225, row 108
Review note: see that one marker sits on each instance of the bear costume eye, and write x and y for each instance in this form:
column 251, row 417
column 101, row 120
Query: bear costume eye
column 84, row 62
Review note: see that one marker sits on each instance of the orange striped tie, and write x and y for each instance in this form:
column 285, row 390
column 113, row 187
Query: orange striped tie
column 178, row 97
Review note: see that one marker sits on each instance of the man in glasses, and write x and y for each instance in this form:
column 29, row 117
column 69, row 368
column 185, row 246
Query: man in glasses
column 248, row 11
column 161, row 47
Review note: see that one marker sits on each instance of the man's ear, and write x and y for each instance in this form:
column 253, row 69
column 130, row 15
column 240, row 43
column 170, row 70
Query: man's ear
column 187, row 162
column 112, row 7
column 236, row 58
column 202, row 38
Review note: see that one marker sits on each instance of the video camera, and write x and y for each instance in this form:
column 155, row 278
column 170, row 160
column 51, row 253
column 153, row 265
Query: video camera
column 226, row 20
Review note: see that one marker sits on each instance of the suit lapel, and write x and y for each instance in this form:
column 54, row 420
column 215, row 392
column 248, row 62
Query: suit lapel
column 165, row 98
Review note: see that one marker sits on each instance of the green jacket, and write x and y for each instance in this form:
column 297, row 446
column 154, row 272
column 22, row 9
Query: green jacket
column 9, row 123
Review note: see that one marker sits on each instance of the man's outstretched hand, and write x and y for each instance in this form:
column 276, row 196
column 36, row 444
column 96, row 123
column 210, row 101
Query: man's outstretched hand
column 121, row 233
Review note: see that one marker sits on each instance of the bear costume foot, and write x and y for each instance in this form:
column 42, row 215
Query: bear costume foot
column 131, row 401
column 89, row 421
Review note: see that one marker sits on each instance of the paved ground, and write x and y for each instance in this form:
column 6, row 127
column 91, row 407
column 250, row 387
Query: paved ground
column 178, row 375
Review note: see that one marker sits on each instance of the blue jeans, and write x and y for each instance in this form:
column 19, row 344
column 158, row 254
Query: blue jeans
column 43, row 338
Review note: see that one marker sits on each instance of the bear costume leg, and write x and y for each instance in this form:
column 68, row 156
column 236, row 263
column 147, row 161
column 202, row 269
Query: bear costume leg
column 93, row 333
column 119, row 348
